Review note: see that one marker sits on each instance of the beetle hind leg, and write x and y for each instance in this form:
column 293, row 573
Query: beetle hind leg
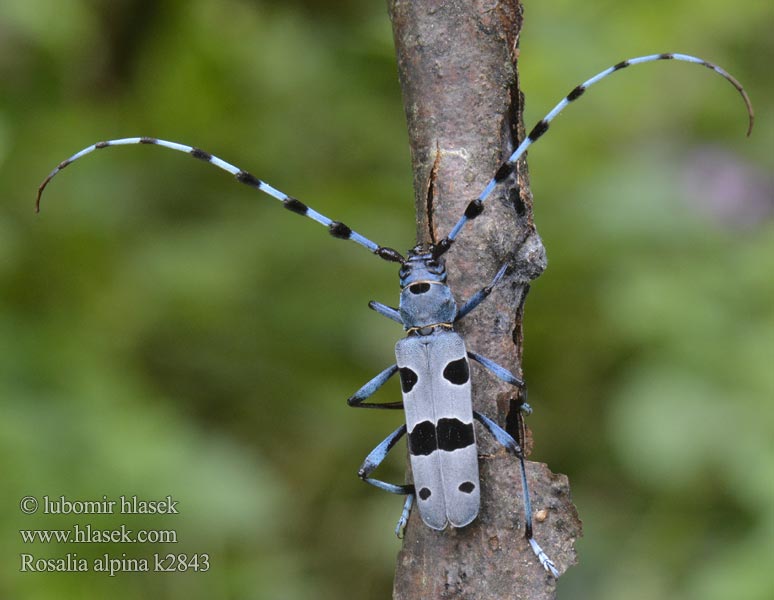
column 404, row 516
column 512, row 446
column 547, row 563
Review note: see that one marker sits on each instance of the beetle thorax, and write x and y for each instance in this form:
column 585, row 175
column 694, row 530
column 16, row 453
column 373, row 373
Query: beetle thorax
column 425, row 299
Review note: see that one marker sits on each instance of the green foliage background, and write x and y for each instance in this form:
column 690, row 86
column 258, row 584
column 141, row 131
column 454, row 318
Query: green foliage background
column 164, row 331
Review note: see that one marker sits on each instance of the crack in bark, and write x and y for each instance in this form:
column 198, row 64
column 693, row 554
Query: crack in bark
column 431, row 193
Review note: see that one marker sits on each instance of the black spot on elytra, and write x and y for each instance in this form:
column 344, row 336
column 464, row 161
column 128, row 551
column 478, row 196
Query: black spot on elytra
column 424, row 493
column 453, row 434
column 421, row 439
column 457, row 372
column 419, row 288
column 408, row 379
column 467, row 487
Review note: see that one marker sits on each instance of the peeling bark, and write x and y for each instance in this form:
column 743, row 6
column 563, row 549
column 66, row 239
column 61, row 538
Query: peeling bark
column 457, row 67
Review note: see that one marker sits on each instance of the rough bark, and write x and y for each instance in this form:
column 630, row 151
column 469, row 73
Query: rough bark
column 457, row 66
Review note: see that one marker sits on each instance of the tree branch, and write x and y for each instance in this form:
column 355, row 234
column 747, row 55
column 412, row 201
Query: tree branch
column 457, row 67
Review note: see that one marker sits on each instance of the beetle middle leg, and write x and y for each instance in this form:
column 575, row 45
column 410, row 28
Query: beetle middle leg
column 373, row 460
column 501, row 373
column 369, row 389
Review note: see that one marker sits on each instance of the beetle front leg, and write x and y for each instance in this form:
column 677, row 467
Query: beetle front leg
column 386, row 311
column 482, row 294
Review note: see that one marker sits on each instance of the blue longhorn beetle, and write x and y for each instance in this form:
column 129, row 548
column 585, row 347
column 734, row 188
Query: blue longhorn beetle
column 432, row 359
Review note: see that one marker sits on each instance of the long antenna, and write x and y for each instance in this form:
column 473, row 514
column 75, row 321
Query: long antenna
column 477, row 206
column 335, row 228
